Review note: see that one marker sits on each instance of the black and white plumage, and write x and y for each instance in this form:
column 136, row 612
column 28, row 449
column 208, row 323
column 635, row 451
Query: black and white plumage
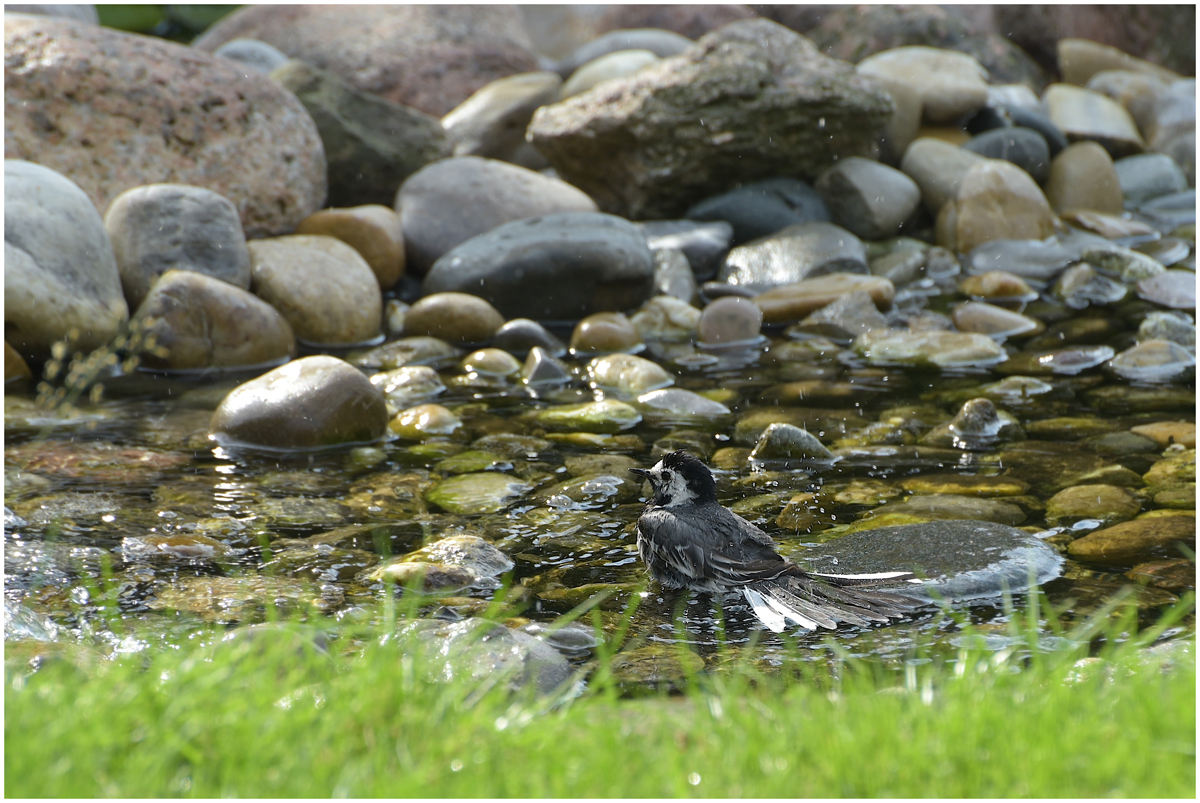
column 688, row 540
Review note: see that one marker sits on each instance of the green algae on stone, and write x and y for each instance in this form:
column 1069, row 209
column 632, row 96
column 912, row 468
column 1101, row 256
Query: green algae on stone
column 593, row 491
column 965, row 485
column 606, row 417
column 949, row 506
column 1104, row 503
column 820, row 422
column 656, row 664
column 930, row 349
column 233, row 599
column 1123, row 399
column 429, row 578
column 321, row 563
column 1137, row 540
column 472, row 461
column 472, row 494
column 616, row 596
column 424, row 421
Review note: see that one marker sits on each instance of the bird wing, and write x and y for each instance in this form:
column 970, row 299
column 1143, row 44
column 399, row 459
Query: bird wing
column 709, row 546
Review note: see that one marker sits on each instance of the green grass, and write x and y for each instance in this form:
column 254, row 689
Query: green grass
column 1007, row 724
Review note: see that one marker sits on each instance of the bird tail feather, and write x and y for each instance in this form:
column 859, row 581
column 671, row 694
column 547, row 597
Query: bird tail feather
column 824, row 603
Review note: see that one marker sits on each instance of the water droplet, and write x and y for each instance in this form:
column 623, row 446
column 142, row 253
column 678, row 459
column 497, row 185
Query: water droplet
column 456, row 765
column 694, row 779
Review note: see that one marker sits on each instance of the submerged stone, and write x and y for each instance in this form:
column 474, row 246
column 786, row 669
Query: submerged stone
column 787, row 442
column 603, row 417
column 959, row 560
column 473, row 494
column 928, row 349
column 1138, row 540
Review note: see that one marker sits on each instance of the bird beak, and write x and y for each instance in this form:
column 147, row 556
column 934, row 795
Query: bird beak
column 641, row 472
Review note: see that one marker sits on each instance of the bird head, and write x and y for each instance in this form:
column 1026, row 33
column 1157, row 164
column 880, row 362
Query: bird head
column 679, row 479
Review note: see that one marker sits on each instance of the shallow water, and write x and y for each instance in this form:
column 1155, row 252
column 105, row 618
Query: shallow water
column 188, row 535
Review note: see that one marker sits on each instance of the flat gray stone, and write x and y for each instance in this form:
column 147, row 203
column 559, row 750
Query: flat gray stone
column 1149, row 175
column 867, row 198
column 960, row 560
column 556, row 267
column 763, row 208
column 796, row 253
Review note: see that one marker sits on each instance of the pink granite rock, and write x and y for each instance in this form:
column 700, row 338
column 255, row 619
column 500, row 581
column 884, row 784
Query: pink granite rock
column 112, row 111
column 429, row 57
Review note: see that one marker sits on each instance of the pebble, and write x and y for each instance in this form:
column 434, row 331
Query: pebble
column 520, row 335
column 1178, row 327
column 407, row 351
column 595, row 262
column 1106, row 504
column 704, row 244
column 1149, row 175
column 492, row 122
column 1080, row 59
column 1154, row 361
column 327, row 292
column 794, row 254
column 389, row 50
column 729, row 321
column 1135, row 541
column 788, row 442
column 1084, row 115
column 762, row 208
column 997, row 287
column 993, row 321
column 490, row 362
column 659, row 42
column 249, row 139
column 1166, row 433
column 1080, row 286
column 853, row 314
column 15, row 367
column 928, row 349
column 1122, row 263
column 408, row 386
column 794, row 301
column 951, row 84
column 995, row 200
column 1175, row 289
column 453, row 317
column 372, row 230
column 203, row 322
column 604, row 333
column 666, row 318
column 673, row 274
column 905, row 123
column 1032, row 260
column 252, row 54
column 779, row 96
column 60, row 275
column 1082, row 176
column 601, row 417
column 542, row 368
column 938, row 168
column 310, row 403
column 1110, row 227
column 424, row 421
column 452, row 200
column 867, row 198
column 161, row 227
column 627, row 374
column 680, row 402
column 618, row 64
column 1024, row 147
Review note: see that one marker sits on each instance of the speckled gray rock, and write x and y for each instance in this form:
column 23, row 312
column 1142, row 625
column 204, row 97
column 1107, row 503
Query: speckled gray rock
column 163, row 227
column 867, row 198
column 752, row 100
column 451, row 201
column 206, row 323
column 1149, row 175
column 59, row 271
column 958, row 560
column 763, row 208
column 77, row 100
column 310, row 403
column 429, row 57
column 371, row 145
column 556, row 267
column 938, row 168
column 252, row 54
column 795, row 253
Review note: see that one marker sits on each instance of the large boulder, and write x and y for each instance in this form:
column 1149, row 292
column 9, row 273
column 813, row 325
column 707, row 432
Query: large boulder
column 752, row 100
column 78, row 99
column 430, row 57
column 557, row 267
column 311, row 403
column 60, row 276
column 371, row 144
